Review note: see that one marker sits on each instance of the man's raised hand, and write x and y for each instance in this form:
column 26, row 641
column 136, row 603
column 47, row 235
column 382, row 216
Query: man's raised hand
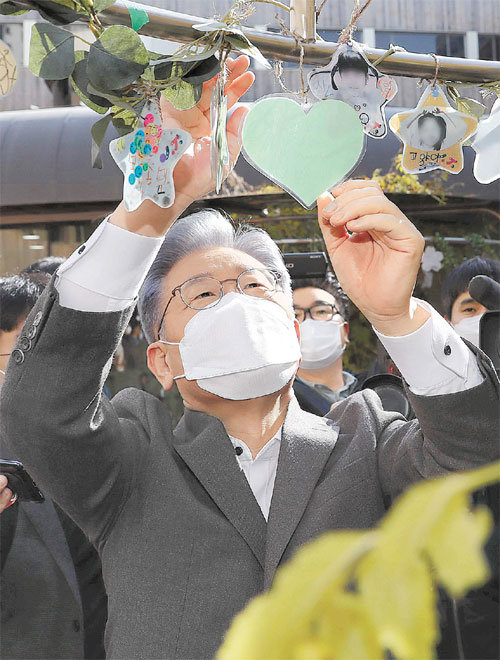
column 375, row 252
column 192, row 174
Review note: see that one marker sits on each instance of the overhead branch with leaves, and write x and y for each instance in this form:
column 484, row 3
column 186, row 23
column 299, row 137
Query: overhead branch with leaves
column 116, row 74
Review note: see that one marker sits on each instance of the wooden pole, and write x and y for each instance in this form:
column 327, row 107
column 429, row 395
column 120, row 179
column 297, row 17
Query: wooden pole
column 303, row 19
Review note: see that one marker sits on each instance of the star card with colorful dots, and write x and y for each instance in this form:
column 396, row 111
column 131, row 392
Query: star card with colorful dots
column 147, row 157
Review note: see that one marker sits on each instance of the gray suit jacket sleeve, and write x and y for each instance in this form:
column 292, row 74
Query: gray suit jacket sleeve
column 452, row 432
column 56, row 420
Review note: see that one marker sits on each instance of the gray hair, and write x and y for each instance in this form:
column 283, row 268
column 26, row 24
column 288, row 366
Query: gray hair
column 205, row 229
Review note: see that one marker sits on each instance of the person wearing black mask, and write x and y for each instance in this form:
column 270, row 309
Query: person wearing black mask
column 460, row 309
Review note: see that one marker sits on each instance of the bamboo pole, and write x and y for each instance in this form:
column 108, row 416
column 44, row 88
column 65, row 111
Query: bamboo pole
column 303, row 19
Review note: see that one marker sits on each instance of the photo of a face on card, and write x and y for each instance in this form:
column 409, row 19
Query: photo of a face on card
column 433, row 130
column 349, row 77
column 433, row 134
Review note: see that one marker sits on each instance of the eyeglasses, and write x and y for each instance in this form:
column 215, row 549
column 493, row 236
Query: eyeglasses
column 204, row 292
column 319, row 312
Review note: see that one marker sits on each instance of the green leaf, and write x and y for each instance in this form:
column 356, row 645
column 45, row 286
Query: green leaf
column 12, row 9
column 117, row 58
column 114, row 97
column 182, row 95
column 52, row 53
column 148, row 74
column 138, row 18
column 125, row 121
column 191, row 71
column 203, row 71
column 199, row 53
column 101, row 5
column 470, row 107
column 168, row 69
column 212, row 26
column 58, row 12
column 68, row 4
column 80, row 81
column 239, row 42
column 98, row 132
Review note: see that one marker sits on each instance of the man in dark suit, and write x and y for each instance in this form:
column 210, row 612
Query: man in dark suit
column 192, row 522
column 52, row 597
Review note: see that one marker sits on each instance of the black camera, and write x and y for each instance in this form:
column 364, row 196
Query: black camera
column 487, row 292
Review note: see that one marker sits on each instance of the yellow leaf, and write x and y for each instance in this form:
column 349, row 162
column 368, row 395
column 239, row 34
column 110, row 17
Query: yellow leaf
column 399, row 596
column 307, row 597
column 353, row 595
column 455, row 546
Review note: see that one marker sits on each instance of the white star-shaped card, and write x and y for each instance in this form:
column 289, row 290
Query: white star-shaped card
column 486, row 144
column 350, row 77
column 147, row 157
column 433, row 134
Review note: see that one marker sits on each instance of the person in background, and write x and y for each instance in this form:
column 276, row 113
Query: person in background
column 46, row 265
column 472, row 628
column 52, row 600
column 462, row 311
column 322, row 310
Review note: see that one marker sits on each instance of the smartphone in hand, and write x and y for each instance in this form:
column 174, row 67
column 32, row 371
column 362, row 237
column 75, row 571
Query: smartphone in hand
column 20, row 482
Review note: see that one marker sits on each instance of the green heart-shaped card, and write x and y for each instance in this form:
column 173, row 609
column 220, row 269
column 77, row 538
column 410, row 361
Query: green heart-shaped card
column 306, row 153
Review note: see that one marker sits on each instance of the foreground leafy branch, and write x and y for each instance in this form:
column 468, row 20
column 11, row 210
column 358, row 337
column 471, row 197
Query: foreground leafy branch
column 357, row 594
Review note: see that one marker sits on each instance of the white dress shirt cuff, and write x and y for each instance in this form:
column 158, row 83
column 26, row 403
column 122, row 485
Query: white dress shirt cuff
column 107, row 271
column 433, row 359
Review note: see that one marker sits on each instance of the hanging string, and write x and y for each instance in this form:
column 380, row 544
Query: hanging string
column 348, row 31
column 436, row 71
column 320, row 8
column 304, row 88
column 390, row 51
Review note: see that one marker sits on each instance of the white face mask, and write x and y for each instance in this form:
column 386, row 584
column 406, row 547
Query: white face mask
column 468, row 328
column 243, row 348
column 320, row 343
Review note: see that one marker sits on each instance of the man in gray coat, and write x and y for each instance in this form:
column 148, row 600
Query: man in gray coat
column 192, row 522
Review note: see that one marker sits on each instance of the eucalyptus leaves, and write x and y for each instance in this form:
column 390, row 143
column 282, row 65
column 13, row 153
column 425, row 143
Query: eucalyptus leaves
column 116, row 75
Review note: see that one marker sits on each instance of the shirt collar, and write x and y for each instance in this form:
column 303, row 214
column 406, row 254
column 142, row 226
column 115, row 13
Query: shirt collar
column 335, row 395
column 269, row 451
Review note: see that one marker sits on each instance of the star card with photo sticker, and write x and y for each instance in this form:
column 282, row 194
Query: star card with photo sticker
column 433, row 134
